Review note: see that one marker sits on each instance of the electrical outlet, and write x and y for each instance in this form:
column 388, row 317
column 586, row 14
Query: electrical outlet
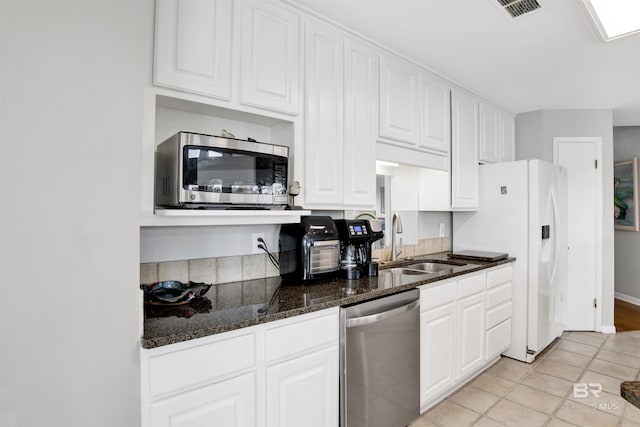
column 255, row 242
column 441, row 229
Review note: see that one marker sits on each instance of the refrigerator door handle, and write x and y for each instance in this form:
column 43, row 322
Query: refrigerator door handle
column 556, row 236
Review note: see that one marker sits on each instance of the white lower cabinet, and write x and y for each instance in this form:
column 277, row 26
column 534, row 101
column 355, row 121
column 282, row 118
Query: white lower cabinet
column 437, row 331
column 465, row 323
column 471, row 334
column 301, row 392
column 230, row 403
column 282, row 373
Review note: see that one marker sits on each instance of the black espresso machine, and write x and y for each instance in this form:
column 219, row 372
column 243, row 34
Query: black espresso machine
column 309, row 251
column 356, row 237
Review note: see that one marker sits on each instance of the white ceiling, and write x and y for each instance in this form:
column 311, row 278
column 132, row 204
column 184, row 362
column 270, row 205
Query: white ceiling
column 551, row 58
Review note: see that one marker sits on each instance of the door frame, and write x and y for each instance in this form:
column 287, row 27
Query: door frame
column 557, row 140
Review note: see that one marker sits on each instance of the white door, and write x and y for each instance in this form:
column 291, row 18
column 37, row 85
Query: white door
column 270, row 57
column 230, row 403
column 304, row 391
column 324, row 103
column 584, row 202
column 464, row 150
column 398, row 100
column 435, row 114
column 507, row 136
column 360, row 113
column 489, row 133
column 471, row 334
column 193, row 46
column 437, row 368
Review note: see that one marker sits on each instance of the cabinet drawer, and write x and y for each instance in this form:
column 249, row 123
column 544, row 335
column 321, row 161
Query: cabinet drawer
column 198, row 365
column 498, row 314
column 497, row 277
column 472, row 285
column 436, row 296
column 498, row 339
column 498, row 295
column 305, row 334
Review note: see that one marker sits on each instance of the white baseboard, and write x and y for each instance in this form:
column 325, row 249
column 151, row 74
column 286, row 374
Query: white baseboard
column 627, row 298
column 608, row 329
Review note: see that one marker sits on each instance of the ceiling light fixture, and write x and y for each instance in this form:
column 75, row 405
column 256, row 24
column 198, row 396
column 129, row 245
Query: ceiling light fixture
column 614, row 18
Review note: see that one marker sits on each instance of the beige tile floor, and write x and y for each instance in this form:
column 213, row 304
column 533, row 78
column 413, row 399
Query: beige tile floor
column 512, row 393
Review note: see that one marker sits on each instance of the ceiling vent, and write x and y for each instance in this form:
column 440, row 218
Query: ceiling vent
column 517, row 8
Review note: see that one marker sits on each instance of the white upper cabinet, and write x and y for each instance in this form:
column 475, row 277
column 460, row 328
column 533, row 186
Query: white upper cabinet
column 323, row 144
column 508, row 136
column 490, row 134
column 497, row 134
column 193, row 46
column 398, row 100
column 270, row 57
column 435, row 114
column 464, row 150
column 340, row 119
column 360, row 114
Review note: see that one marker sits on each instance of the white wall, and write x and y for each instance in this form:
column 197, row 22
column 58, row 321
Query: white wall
column 626, row 145
column 534, row 138
column 71, row 103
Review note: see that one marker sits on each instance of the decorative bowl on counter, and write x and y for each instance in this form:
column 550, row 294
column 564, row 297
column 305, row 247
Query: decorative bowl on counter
column 173, row 292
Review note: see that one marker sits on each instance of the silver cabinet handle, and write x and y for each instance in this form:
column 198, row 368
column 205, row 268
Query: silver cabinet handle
column 378, row 317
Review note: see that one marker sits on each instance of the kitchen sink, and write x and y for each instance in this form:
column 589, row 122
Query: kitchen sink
column 405, row 270
column 433, row 267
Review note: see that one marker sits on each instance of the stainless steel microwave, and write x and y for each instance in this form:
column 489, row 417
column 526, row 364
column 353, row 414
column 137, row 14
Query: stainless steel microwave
column 203, row 171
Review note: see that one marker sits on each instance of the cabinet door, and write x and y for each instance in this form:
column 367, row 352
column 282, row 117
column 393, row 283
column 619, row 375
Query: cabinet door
column 471, row 334
column 508, row 136
column 490, row 133
column 464, row 150
column 437, row 351
column 270, row 57
column 398, row 100
column 225, row 404
column 193, row 46
column 435, row 115
column 323, row 145
column 304, row 391
column 360, row 111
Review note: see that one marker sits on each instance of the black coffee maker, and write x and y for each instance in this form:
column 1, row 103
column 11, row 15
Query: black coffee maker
column 356, row 237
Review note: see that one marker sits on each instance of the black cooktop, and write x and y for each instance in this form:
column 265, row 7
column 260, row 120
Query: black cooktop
column 479, row 255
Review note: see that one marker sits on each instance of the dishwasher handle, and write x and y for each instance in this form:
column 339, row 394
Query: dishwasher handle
column 378, row 317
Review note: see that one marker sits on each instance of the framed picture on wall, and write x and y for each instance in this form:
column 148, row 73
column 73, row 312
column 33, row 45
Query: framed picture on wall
column 625, row 195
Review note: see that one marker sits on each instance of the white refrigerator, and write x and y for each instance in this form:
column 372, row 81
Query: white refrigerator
column 523, row 212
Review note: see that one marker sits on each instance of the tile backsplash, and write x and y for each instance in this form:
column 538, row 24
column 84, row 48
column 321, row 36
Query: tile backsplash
column 248, row 267
column 210, row 270
column 424, row 247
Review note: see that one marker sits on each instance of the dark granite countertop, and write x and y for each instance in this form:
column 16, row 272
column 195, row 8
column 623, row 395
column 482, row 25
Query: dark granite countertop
column 229, row 306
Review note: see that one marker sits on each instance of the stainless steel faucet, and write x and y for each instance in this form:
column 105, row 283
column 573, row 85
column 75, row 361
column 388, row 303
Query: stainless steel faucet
column 396, row 227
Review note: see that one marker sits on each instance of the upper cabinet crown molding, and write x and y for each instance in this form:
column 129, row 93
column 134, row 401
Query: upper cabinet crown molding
column 194, row 45
column 270, row 57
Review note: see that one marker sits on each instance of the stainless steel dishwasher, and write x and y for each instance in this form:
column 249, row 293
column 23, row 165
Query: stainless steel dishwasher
column 380, row 361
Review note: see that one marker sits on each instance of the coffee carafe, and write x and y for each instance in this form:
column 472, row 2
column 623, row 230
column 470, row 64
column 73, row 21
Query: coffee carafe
column 356, row 237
